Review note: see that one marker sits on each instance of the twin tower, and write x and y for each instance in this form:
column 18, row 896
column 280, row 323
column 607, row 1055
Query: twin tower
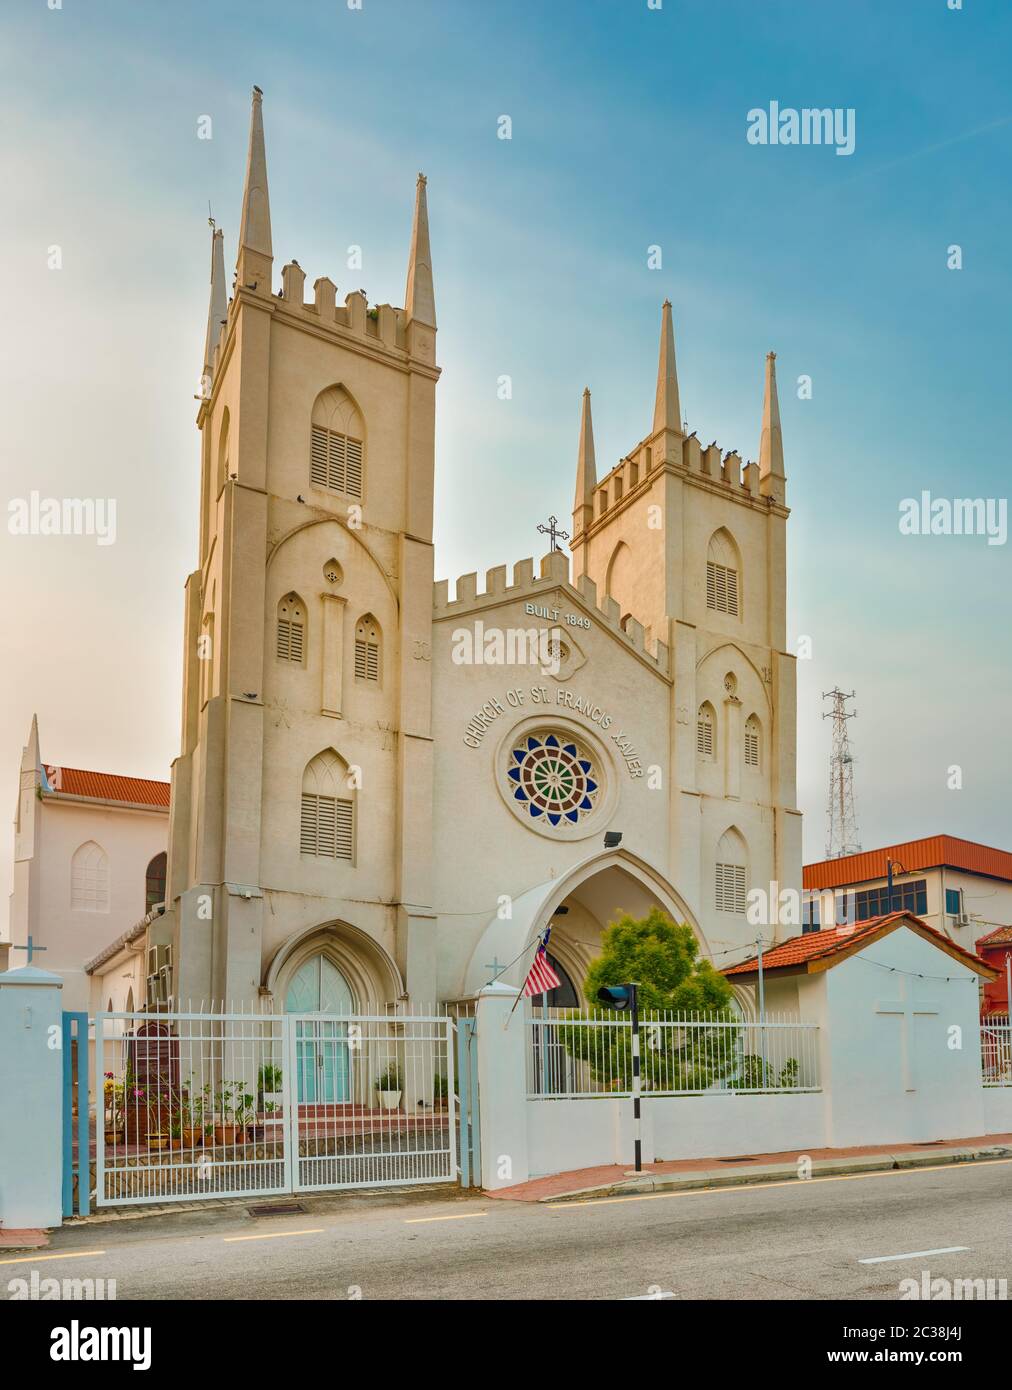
column 310, row 811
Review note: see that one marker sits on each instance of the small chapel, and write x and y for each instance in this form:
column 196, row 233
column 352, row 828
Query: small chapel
column 360, row 819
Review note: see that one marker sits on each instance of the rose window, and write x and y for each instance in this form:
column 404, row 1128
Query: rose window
column 553, row 777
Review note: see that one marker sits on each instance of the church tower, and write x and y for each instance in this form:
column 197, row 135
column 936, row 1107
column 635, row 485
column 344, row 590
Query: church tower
column 301, row 799
column 691, row 544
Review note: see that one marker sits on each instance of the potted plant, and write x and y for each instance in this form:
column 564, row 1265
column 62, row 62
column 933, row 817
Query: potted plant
column 235, row 1108
column 388, row 1088
column 440, row 1090
column 269, row 1086
column 194, row 1120
column 115, row 1125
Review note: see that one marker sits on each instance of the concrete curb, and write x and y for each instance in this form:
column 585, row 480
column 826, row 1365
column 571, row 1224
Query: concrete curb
column 779, row 1172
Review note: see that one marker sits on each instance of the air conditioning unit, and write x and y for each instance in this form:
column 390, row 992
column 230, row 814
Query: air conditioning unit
column 962, row 919
column 158, row 958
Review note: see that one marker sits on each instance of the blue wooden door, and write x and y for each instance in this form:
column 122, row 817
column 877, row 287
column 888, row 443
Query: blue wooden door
column 321, row 1044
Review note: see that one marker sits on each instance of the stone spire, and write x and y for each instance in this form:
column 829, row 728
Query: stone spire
column 667, row 411
column 586, row 470
column 771, row 442
column 30, row 756
column 419, row 296
column 255, row 250
column 217, row 307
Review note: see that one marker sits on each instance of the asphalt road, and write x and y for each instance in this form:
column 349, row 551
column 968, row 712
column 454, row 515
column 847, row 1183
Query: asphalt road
column 796, row 1240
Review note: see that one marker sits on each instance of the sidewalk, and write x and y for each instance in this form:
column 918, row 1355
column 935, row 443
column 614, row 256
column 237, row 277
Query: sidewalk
column 682, row 1174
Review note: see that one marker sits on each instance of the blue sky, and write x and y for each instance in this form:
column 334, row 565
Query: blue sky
column 628, row 131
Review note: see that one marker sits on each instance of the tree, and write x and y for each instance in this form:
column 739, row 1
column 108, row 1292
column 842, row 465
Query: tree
column 663, row 959
column 677, row 988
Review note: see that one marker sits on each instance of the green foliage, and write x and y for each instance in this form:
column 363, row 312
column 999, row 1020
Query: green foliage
column 756, row 1075
column 663, row 959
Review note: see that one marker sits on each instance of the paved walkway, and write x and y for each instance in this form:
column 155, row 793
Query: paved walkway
column 614, row 1174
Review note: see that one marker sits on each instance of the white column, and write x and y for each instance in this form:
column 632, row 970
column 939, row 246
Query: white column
column 31, row 1098
column 502, row 1087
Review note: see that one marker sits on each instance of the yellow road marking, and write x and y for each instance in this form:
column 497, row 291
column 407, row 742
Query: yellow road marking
column 275, row 1235
column 70, row 1255
column 460, row 1216
column 789, row 1182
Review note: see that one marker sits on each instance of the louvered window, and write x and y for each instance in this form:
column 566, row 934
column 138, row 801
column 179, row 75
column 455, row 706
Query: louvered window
column 336, row 461
column 729, row 888
column 721, row 588
column 751, row 745
column 367, row 651
column 291, row 643
column 704, row 734
column 327, row 826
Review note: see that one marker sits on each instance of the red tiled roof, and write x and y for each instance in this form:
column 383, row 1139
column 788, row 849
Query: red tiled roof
column 1001, row 936
column 935, row 851
column 106, row 786
column 818, row 950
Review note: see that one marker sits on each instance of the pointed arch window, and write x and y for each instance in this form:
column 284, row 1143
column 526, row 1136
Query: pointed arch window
column 337, row 443
column 753, row 737
column 327, row 825
column 722, row 576
column 89, row 878
column 368, row 644
column 154, row 882
column 223, row 451
column 730, row 886
column 291, row 632
column 706, row 732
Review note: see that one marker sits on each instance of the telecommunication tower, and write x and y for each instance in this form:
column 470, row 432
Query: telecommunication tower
column 841, row 836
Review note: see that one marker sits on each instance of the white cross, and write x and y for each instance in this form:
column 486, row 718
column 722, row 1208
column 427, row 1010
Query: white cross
column 908, row 1009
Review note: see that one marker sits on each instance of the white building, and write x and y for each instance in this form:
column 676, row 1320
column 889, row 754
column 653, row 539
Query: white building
column 89, row 865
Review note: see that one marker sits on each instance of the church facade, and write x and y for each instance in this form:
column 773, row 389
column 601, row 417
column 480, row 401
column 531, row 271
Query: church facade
column 389, row 787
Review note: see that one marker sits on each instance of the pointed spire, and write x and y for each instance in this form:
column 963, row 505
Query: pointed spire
column 586, row 469
column 419, row 296
column 667, row 412
column 255, row 226
column 771, row 441
column 30, row 756
column 217, row 305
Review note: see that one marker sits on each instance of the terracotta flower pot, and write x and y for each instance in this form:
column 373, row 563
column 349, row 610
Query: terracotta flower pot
column 193, row 1138
column 227, row 1134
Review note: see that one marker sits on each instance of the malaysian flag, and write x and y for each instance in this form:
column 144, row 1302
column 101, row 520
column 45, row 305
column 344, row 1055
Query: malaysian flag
column 541, row 977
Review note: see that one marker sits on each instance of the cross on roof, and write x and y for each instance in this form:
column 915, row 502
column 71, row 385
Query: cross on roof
column 552, row 529
column 31, row 948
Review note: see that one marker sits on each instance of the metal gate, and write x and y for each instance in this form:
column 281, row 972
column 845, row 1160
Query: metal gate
column 192, row 1106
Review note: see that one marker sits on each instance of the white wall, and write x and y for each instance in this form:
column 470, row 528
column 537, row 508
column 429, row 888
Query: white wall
column 584, row 1133
column 875, row 1098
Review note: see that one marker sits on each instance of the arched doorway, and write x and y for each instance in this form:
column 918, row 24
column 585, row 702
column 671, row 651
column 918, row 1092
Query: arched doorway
column 322, row 1056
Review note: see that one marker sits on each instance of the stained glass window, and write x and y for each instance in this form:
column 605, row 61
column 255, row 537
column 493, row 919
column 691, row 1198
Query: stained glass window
column 553, row 777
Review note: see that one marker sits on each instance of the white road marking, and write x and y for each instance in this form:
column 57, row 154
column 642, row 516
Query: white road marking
column 913, row 1254
column 460, row 1216
column 274, row 1235
column 646, row 1297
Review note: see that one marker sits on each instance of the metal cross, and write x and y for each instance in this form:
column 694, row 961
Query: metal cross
column 31, row 948
column 494, row 966
column 552, row 529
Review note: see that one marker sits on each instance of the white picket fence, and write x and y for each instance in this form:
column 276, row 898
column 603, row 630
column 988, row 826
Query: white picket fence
column 575, row 1054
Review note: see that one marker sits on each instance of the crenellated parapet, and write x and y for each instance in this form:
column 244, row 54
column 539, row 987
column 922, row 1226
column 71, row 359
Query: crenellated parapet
column 526, row 586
